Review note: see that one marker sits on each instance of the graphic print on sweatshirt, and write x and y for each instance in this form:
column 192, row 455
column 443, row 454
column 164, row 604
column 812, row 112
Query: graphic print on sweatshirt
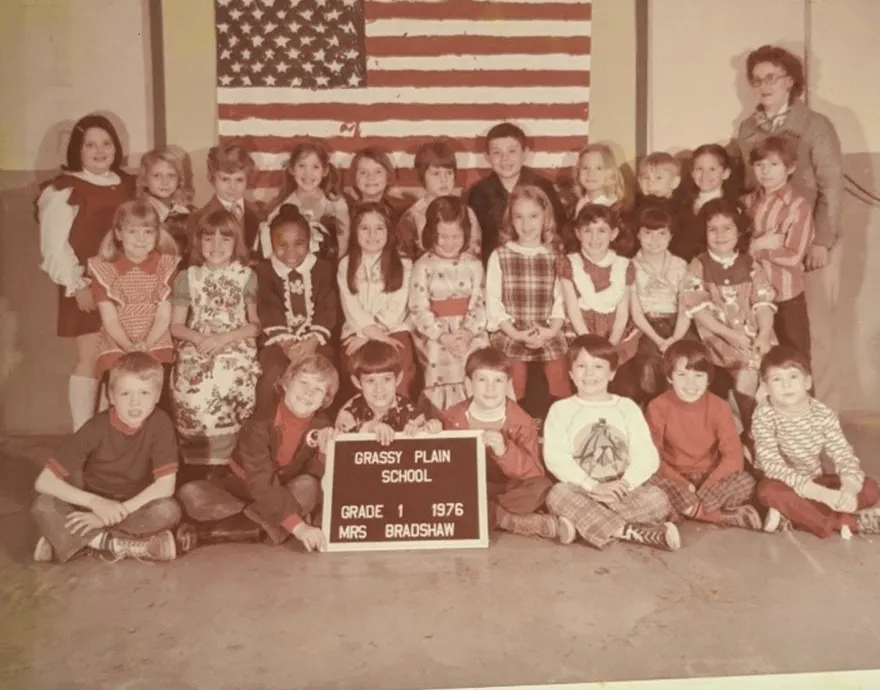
column 601, row 451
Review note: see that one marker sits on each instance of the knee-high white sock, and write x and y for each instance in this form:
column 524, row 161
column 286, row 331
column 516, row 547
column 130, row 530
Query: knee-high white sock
column 82, row 393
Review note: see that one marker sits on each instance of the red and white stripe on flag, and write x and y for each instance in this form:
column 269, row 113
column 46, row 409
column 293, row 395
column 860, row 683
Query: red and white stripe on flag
column 430, row 68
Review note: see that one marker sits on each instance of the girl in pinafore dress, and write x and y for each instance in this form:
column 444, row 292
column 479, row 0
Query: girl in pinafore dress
column 598, row 289
column 132, row 283
column 524, row 304
column 312, row 184
column 161, row 181
column 75, row 211
column 729, row 297
column 214, row 318
column 446, row 303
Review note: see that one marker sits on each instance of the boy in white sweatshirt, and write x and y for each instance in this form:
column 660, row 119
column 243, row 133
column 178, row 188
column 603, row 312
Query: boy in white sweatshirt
column 598, row 445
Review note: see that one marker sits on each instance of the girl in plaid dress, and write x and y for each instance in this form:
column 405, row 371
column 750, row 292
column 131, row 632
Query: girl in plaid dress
column 132, row 283
column 214, row 319
column 446, row 303
column 524, row 304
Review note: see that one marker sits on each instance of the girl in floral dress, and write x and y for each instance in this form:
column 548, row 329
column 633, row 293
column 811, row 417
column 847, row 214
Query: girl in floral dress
column 730, row 299
column 214, row 319
column 446, row 303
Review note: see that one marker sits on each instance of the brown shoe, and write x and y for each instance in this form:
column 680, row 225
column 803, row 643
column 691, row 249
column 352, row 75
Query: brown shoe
column 744, row 517
column 158, row 547
column 664, row 536
column 531, row 525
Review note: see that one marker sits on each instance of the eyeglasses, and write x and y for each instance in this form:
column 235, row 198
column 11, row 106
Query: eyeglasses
column 769, row 80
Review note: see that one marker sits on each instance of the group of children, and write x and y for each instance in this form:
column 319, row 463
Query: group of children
column 229, row 330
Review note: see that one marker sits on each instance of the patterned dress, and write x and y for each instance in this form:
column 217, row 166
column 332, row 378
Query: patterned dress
column 136, row 291
column 732, row 293
column 599, row 290
column 213, row 394
column 446, row 295
column 529, row 289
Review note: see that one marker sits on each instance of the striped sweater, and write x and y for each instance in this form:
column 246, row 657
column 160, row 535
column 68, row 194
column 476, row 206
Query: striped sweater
column 788, row 450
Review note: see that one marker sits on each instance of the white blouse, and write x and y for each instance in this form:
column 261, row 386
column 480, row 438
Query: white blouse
column 371, row 305
column 496, row 312
column 56, row 219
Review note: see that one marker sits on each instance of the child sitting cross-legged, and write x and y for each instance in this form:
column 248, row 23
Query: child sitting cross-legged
column 110, row 487
column 274, row 486
column 516, row 482
column 376, row 371
column 599, row 447
column 701, row 457
column 791, row 430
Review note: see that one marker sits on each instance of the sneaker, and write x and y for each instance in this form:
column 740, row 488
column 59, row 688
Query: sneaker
column 43, row 552
column 745, row 517
column 158, row 547
column 664, row 536
column 868, row 520
column 776, row 522
column 531, row 525
column 565, row 529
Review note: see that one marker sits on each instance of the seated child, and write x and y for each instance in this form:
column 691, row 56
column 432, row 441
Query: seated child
column 275, row 483
column 599, row 447
column 701, row 457
column 376, row 371
column 229, row 167
column 782, row 230
column 791, row 430
column 506, row 148
column 436, row 167
column 297, row 302
column 110, row 488
column 659, row 176
column 516, row 482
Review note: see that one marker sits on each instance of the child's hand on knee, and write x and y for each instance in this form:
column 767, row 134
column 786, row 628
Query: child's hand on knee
column 108, row 512
column 82, row 522
column 312, row 538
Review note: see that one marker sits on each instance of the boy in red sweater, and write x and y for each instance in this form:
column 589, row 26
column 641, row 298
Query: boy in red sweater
column 275, row 483
column 701, row 457
column 516, row 482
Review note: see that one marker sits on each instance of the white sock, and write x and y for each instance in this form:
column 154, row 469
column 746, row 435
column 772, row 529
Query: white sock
column 99, row 541
column 82, row 392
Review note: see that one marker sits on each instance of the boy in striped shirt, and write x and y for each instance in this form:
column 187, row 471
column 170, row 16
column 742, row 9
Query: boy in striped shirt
column 782, row 230
column 791, row 431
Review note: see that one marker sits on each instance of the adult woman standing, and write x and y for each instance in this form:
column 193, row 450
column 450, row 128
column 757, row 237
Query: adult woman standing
column 778, row 79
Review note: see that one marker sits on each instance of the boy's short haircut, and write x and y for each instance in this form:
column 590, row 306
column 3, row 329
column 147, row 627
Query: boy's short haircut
column 316, row 365
column 781, row 146
column 230, row 158
column 595, row 346
column 660, row 159
column 139, row 364
column 438, row 153
column 694, row 353
column 375, row 357
column 655, row 218
column 505, row 130
column 487, row 358
column 782, row 357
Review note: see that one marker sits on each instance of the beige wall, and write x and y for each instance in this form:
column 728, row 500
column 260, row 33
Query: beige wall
column 698, row 94
column 59, row 60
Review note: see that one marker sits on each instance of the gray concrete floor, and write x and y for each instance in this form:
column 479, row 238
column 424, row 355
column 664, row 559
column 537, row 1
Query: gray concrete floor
column 524, row 611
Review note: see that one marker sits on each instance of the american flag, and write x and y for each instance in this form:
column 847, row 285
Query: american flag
column 397, row 73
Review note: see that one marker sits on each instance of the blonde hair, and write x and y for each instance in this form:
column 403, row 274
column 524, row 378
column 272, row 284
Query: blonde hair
column 184, row 193
column 614, row 185
column 317, row 365
column 139, row 364
column 139, row 210
column 660, row 159
column 549, row 236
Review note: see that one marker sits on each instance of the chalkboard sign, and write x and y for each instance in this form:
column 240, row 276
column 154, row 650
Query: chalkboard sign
column 426, row 491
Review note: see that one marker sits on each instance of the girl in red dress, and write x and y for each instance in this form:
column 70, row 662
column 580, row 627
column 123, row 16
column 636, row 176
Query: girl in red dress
column 132, row 286
column 75, row 211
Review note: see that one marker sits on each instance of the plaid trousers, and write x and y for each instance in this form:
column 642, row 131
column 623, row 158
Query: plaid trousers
column 731, row 492
column 599, row 524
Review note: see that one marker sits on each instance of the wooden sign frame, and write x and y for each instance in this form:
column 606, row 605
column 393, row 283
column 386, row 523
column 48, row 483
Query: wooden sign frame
column 329, row 520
